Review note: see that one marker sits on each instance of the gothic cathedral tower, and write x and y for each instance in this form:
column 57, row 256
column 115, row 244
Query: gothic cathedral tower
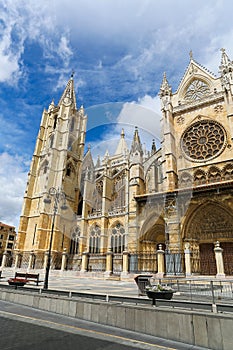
column 56, row 163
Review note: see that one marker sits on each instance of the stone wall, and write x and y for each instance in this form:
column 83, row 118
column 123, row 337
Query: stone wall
column 204, row 329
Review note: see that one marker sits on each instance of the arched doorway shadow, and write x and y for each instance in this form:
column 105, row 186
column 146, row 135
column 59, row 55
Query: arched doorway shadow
column 151, row 236
column 207, row 223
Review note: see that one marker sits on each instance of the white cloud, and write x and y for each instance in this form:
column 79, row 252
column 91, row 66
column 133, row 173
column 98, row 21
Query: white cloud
column 144, row 114
column 12, row 183
column 27, row 21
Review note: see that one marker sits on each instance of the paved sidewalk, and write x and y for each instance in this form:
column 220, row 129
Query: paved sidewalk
column 73, row 282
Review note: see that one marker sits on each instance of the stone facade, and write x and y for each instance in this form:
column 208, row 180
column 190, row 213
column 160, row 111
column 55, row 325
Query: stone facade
column 132, row 207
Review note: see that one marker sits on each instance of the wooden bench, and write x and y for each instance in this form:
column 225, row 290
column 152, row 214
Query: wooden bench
column 34, row 277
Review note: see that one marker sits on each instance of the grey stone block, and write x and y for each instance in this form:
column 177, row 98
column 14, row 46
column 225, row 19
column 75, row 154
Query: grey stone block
column 111, row 318
column 52, row 305
column 72, row 308
column 214, row 333
column 161, row 320
column 130, row 318
column 65, row 307
column 200, row 330
column 59, row 306
column 120, row 316
column 87, row 311
column 173, row 326
column 140, row 320
column 226, row 325
column 103, row 313
column 80, row 309
column 150, row 322
column 95, row 311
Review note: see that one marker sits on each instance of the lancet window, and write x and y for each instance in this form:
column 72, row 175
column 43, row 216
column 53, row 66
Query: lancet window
column 94, row 239
column 74, row 242
column 118, row 196
column 118, row 238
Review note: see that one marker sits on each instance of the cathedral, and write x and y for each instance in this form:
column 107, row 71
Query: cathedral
column 166, row 211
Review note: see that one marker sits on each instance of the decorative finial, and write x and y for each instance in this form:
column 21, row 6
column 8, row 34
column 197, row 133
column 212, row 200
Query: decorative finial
column 191, row 54
column 122, row 133
column 223, row 50
column 72, row 74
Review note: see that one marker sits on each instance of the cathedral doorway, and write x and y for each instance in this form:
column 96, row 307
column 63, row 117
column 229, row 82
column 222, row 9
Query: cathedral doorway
column 208, row 223
column 228, row 257
column 207, row 259
column 153, row 236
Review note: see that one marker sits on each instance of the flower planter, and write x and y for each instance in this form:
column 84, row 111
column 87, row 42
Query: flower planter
column 159, row 294
column 162, row 294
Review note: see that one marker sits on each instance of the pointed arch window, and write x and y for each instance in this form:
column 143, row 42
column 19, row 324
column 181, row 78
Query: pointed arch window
column 118, row 196
column 51, row 141
column 68, row 170
column 74, row 242
column 72, row 124
column 44, row 167
column 94, row 240
column 55, row 122
column 118, row 238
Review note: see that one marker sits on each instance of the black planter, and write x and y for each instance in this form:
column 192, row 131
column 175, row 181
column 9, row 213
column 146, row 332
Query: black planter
column 163, row 294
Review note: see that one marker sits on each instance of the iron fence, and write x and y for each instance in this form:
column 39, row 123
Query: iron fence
column 174, row 263
column 117, row 264
column 97, row 262
column 142, row 262
column 73, row 262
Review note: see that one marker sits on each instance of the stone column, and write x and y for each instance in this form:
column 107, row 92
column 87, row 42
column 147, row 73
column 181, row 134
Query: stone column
column 84, row 265
column 4, row 259
column 219, row 260
column 187, row 256
column 160, row 261
column 109, row 261
column 125, row 267
column 46, row 256
column 31, row 257
column 64, row 260
column 17, row 254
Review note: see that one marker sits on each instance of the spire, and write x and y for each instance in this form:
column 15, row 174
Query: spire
column 68, row 96
column 136, row 144
column 98, row 163
column 226, row 63
column 226, row 69
column 191, row 55
column 165, row 94
column 122, row 147
column 51, row 106
column 165, row 88
column 153, row 147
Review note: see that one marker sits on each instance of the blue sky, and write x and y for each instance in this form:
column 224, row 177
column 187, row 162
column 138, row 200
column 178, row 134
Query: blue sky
column 118, row 50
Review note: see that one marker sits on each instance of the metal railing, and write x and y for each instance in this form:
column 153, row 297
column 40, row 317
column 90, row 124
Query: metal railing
column 206, row 305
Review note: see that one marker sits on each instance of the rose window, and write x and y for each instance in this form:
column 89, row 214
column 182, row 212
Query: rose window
column 203, row 140
column 196, row 90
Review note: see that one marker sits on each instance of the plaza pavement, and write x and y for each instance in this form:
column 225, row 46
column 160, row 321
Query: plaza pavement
column 71, row 281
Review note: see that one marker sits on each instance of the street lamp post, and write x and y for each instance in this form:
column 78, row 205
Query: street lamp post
column 57, row 196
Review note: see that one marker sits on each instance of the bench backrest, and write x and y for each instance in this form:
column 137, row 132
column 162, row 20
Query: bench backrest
column 32, row 275
column 20, row 274
column 27, row 275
